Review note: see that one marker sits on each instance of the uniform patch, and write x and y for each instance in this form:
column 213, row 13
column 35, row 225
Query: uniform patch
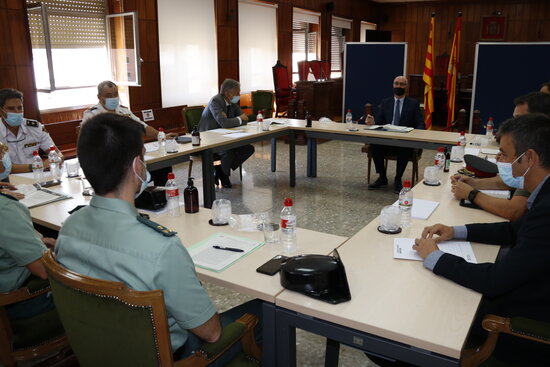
column 92, row 109
column 32, row 123
column 29, row 145
column 157, row 227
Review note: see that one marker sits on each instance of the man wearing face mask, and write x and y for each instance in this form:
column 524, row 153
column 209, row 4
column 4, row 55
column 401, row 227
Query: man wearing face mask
column 397, row 110
column 22, row 136
column 516, row 284
column 109, row 239
column 224, row 111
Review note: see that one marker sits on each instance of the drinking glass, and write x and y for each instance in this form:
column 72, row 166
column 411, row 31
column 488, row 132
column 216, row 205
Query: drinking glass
column 221, row 211
column 390, row 218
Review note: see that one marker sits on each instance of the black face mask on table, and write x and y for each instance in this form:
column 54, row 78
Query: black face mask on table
column 399, row 91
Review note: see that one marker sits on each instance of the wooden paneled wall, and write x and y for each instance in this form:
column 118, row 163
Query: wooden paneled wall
column 527, row 21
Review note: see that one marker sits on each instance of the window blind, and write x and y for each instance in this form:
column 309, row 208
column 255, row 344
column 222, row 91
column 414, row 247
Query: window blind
column 336, row 48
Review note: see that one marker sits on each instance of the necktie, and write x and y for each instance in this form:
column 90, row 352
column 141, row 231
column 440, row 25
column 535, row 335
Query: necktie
column 397, row 112
column 228, row 111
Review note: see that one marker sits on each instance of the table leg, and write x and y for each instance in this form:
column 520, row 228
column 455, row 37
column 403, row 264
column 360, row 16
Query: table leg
column 332, row 353
column 286, row 343
column 209, row 191
column 292, row 157
column 269, row 346
column 273, row 155
column 312, row 157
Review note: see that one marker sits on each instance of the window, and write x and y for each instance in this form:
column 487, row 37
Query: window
column 337, row 40
column 364, row 27
column 188, row 52
column 257, row 45
column 70, row 54
column 305, row 38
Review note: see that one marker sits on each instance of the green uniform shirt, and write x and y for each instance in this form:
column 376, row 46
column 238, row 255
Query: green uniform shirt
column 19, row 243
column 107, row 241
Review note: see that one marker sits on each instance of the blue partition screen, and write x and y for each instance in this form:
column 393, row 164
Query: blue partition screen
column 505, row 71
column 369, row 72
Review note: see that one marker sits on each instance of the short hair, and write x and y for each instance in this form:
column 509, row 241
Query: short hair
column 106, row 148
column 538, row 102
column 229, row 84
column 9, row 93
column 545, row 84
column 530, row 131
column 103, row 84
column 520, row 100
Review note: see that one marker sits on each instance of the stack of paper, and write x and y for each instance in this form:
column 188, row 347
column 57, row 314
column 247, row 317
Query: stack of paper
column 36, row 196
column 422, row 209
column 402, row 249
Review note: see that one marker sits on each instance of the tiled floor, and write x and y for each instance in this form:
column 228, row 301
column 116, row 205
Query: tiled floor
column 336, row 202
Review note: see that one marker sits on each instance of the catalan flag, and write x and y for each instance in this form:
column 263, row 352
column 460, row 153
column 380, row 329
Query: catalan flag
column 452, row 73
column 428, row 77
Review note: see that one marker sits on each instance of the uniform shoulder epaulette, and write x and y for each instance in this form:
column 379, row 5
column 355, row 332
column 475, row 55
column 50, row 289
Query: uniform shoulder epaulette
column 8, row 196
column 157, row 227
column 32, row 123
column 91, row 109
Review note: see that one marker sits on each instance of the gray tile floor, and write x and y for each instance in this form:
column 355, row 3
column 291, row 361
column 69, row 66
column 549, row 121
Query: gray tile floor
column 336, row 201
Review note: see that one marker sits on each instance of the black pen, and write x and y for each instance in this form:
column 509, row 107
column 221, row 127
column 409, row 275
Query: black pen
column 228, row 248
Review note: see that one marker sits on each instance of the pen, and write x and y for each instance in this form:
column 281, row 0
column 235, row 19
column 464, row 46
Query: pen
column 228, row 248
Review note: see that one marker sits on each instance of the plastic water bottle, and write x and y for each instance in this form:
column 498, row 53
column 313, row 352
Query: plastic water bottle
column 172, row 196
column 259, row 120
column 349, row 121
column 489, row 129
column 440, row 159
column 162, row 141
column 55, row 164
column 288, row 227
column 462, row 139
column 406, row 204
column 37, row 167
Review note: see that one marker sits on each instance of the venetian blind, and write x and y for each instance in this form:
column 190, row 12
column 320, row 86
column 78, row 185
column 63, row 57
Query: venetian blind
column 337, row 41
column 72, row 23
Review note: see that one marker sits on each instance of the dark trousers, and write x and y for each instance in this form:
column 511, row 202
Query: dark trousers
column 160, row 176
column 33, row 306
column 233, row 158
column 379, row 152
column 193, row 342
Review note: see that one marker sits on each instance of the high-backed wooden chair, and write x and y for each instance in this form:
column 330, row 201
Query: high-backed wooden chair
column 261, row 100
column 109, row 324
column 283, row 88
column 33, row 337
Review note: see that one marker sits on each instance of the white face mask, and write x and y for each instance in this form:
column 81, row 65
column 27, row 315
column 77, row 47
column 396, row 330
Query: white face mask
column 144, row 182
column 505, row 173
column 6, row 162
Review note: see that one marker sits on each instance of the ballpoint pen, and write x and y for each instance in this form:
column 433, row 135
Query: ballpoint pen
column 228, row 248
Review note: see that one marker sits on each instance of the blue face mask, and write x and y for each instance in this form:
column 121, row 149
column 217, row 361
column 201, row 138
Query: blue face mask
column 6, row 162
column 111, row 103
column 14, row 119
column 235, row 99
column 505, row 173
column 145, row 182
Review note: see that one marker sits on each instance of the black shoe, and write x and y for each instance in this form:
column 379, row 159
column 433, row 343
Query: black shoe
column 222, row 177
column 397, row 186
column 216, row 178
column 379, row 183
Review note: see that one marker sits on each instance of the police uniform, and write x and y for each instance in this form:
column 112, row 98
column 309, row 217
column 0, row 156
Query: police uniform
column 120, row 110
column 31, row 136
column 109, row 240
column 19, row 243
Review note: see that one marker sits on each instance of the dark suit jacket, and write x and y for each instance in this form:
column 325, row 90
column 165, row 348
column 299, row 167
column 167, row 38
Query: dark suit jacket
column 411, row 115
column 519, row 283
column 212, row 117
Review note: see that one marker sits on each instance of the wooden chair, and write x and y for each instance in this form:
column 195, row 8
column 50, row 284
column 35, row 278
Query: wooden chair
column 283, row 88
column 261, row 100
column 33, row 337
column 191, row 118
column 109, row 324
column 461, row 122
column 520, row 327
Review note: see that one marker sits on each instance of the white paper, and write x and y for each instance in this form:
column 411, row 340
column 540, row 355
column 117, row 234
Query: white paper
column 222, row 131
column 397, row 128
column 236, row 135
column 422, row 209
column 151, row 147
column 489, row 151
column 206, row 256
column 492, row 160
column 402, row 249
column 373, row 127
column 35, row 197
column 471, row 151
column 501, row 194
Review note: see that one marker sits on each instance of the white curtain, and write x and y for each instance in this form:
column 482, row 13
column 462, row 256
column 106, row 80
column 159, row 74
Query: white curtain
column 257, row 45
column 188, row 51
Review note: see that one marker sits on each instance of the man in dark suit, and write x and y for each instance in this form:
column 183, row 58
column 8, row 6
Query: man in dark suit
column 518, row 284
column 397, row 110
column 223, row 111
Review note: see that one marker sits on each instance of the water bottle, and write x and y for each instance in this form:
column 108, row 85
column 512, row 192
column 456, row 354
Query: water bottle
column 489, row 129
column 161, row 137
column 55, row 163
column 349, row 121
column 462, row 139
column 405, row 204
column 172, row 196
column 288, row 227
column 37, row 167
column 259, row 120
column 440, row 159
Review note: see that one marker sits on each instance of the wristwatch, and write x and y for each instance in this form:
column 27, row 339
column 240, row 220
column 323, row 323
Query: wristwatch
column 472, row 195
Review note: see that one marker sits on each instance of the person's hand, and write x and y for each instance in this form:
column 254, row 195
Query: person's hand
column 463, row 178
column 7, row 185
column 13, row 194
column 461, row 190
column 444, row 232
column 425, row 246
column 244, row 117
column 49, row 242
column 171, row 135
column 369, row 120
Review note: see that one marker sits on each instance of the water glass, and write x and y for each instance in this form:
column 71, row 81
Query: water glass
column 171, row 145
column 265, row 124
column 221, row 211
column 457, row 154
column 271, row 233
column 87, row 189
column 390, row 218
column 432, row 175
column 72, row 168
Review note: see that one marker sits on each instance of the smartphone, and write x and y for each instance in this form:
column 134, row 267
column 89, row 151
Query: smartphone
column 272, row 266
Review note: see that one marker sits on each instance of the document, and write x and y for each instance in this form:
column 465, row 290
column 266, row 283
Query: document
column 236, row 135
column 206, row 256
column 223, row 131
column 402, row 249
column 37, row 196
column 151, row 147
column 422, row 209
column 489, row 151
column 471, row 151
column 390, row 127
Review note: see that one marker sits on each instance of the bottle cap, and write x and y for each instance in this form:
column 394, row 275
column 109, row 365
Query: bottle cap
column 288, row 202
column 161, row 129
column 407, row 183
column 35, row 152
column 490, row 119
column 349, row 109
column 190, row 181
column 171, row 176
column 52, row 149
column 440, row 149
column 462, row 133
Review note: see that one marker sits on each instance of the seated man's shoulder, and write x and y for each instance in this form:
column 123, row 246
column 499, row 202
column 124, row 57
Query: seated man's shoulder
column 149, row 225
column 32, row 123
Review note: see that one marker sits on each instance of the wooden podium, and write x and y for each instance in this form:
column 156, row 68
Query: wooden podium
column 322, row 98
